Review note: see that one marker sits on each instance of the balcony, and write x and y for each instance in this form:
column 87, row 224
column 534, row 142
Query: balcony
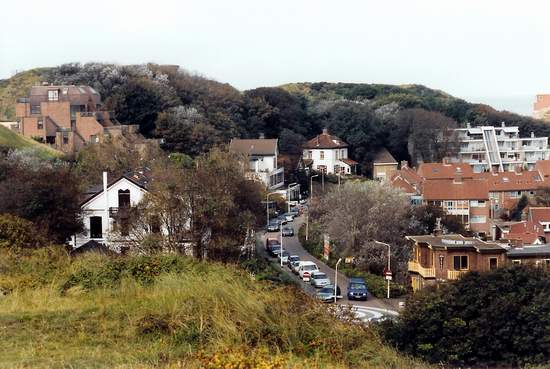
column 453, row 275
column 424, row 272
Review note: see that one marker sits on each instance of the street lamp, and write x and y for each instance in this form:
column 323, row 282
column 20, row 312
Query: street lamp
column 389, row 258
column 336, row 280
column 311, row 185
column 281, row 253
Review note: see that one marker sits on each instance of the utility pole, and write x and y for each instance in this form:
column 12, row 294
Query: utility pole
column 389, row 258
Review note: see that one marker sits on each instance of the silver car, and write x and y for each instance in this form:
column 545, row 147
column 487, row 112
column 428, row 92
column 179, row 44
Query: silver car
column 319, row 279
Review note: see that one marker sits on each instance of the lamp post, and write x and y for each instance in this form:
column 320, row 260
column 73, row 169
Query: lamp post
column 389, row 259
column 281, row 253
column 336, row 280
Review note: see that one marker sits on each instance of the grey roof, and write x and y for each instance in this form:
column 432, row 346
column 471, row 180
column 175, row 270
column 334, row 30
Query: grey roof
column 76, row 95
column 383, row 156
column 535, row 250
column 259, row 146
column 140, row 177
column 457, row 241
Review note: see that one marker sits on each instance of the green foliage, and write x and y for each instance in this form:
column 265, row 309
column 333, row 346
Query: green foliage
column 376, row 284
column 517, row 211
column 17, row 232
column 500, row 318
column 14, row 141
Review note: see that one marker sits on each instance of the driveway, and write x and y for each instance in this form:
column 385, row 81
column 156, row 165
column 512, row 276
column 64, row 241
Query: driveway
column 371, row 308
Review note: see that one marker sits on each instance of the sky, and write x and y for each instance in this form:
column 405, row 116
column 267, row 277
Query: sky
column 488, row 51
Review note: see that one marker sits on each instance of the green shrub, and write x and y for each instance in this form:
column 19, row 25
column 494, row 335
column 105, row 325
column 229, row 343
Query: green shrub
column 499, row 318
column 16, row 232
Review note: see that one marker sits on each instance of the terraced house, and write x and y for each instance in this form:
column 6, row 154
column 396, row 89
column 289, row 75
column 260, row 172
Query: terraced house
column 67, row 117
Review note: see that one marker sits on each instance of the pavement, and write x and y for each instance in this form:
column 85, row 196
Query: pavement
column 365, row 310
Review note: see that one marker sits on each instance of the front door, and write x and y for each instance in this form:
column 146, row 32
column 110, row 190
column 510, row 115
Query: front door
column 96, row 227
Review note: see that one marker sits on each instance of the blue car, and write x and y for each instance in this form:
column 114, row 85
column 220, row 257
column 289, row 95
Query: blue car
column 357, row 289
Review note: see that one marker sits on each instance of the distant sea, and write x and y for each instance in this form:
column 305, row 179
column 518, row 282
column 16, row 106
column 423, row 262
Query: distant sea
column 516, row 104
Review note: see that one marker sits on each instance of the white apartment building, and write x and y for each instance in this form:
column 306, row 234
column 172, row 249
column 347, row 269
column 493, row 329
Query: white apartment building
column 262, row 155
column 499, row 148
column 328, row 154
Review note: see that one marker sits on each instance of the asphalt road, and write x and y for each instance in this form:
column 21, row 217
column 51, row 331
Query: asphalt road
column 366, row 310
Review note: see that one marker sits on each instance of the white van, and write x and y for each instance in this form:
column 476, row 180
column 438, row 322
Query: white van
column 306, row 268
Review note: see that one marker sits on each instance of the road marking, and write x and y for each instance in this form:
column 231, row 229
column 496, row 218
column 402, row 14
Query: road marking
column 366, row 313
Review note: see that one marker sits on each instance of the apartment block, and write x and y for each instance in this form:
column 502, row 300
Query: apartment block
column 66, row 117
column 489, row 148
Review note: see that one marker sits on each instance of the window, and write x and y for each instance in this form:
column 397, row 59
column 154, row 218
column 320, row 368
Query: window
column 478, row 219
column 337, row 151
column 50, row 140
column 516, row 262
column 53, row 95
column 96, row 230
column 40, row 124
column 546, row 263
column 460, row 262
column 310, row 154
column 35, row 109
column 65, row 138
column 123, row 198
column 343, row 156
column 477, row 203
column 493, row 263
column 515, row 194
column 322, row 155
column 94, row 139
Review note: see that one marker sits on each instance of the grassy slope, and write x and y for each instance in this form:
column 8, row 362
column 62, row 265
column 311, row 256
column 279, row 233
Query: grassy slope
column 14, row 87
column 11, row 139
column 192, row 315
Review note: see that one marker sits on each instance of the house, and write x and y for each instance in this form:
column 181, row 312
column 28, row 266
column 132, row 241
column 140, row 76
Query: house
column 67, row 117
column 383, row 165
column 407, row 180
column 106, row 208
column 466, row 199
column 329, row 154
column 541, row 107
column 537, row 255
column 262, row 160
column 441, row 258
column 488, row 148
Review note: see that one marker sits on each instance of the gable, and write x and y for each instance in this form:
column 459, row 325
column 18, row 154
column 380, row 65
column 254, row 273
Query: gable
column 98, row 200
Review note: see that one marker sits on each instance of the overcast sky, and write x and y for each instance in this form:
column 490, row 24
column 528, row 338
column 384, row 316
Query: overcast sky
column 495, row 51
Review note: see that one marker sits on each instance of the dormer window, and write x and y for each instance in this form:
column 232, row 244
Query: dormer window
column 53, row 95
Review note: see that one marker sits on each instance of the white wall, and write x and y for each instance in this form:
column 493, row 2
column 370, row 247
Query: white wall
column 329, row 158
column 265, row 163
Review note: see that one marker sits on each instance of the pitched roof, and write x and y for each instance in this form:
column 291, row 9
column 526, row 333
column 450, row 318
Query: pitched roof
column 448, row 189
column 542, row 250
column 445, row 170
column 457, row 241
column 539, row 215
column 402, row 184
column 410, row 175
column 383, row 156
column 75, row 94
column 325, row 141
column 543, row 167
column 140, row 177
column 528, row 232
column 258, row 146
column 349, row 161
column 512, row 181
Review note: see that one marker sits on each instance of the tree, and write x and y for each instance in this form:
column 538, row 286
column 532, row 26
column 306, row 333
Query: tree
column 423, row 220
column 517, row 211
column 498, row 318
column 542, row 196
column 360, row 212
column 48, row 197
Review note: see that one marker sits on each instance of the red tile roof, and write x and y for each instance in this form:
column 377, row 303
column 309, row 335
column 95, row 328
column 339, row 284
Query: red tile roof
column 409, row 175
column 512, row 181
column 539, row 215
column 527, row 232
column 543, row 167
column 349, row 161
column 448, row 189
column 445, row 171
column 325, row 141
column 402, row 184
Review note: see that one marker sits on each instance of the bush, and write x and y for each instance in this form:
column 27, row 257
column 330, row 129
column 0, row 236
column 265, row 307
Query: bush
column 495, row 318
column 377, row 285
column 17, row 232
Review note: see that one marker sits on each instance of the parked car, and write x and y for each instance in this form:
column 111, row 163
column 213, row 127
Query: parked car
column 282, row 220
column 271, row 241
column 326, row 294
column 294, row 212
column 285, row 254
column 292, row 259
column 273, row 226
column 288, row 217
column 274, row 250
column 357, row 289
column 319, row 279
column 306, row 268
column 288, row 231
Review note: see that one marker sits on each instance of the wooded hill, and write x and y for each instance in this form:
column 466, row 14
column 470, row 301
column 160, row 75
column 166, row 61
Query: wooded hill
column 193, row 113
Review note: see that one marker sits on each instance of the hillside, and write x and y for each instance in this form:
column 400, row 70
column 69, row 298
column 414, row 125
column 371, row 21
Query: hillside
column 17, row 86
column 14, row 140
column 168, row 311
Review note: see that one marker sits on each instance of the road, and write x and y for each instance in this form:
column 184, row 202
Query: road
column 372, row 308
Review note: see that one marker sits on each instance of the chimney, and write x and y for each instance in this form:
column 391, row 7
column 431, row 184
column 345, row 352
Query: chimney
column 445, row 161
column 532, row 134
column 503, row 124
column 262, row 135
column 468, row 125
column 325, row 131
column 437, row 229
column 404, row 164
column 518, row 169
column 458, row 177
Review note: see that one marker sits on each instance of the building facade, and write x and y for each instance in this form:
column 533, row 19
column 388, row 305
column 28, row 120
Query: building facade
column 489, row 148
column 262, row 160
column 384, row 164
column 329, row 154
column 541, row 107
column 436, row 259
column 66, row 117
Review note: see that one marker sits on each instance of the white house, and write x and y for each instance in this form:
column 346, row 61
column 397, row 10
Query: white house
column 329, row 154
column 263, row 154
column 103, row 203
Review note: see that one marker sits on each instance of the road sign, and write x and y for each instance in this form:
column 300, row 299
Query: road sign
column 387, row 274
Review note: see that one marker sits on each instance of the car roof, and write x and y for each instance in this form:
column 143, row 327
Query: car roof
column 307, row 262
column 357, row 280
column 319, row 272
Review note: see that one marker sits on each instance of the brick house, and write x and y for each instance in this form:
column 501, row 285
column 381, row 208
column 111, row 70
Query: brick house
column 383, row 165
column 66, row 117
column 444, row 258
column 536, row 255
